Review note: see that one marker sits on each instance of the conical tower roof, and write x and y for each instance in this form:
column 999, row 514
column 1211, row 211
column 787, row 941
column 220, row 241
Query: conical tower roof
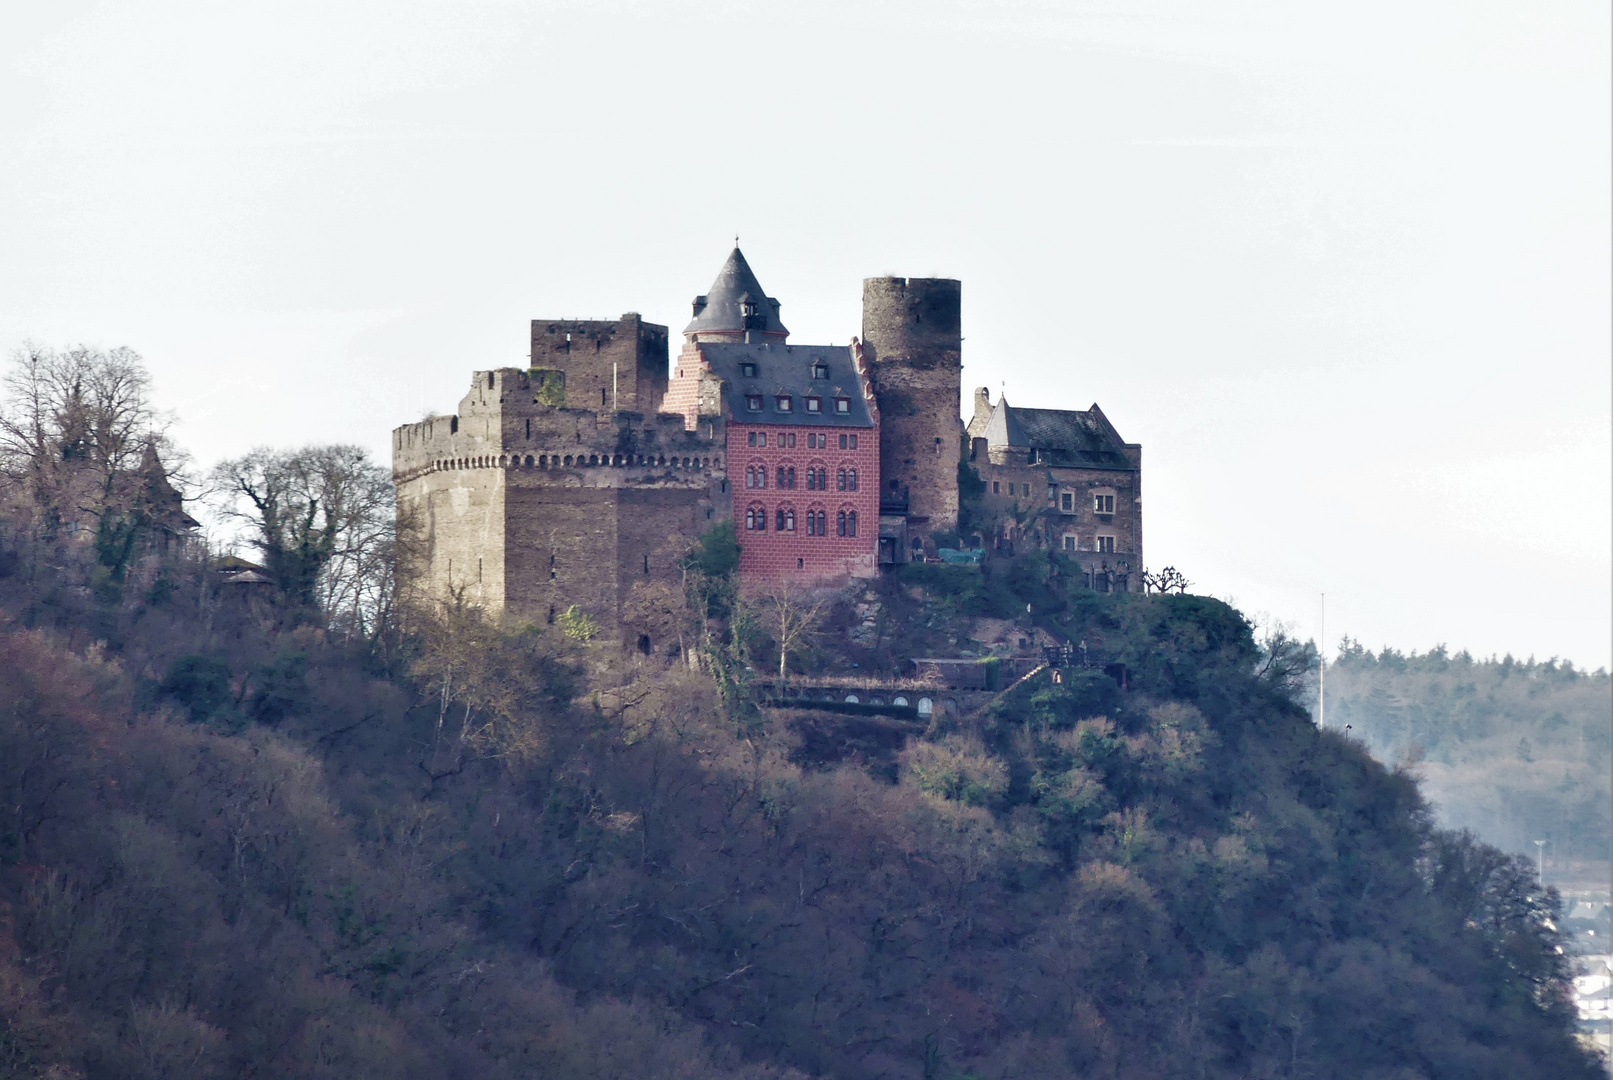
column 736, row 303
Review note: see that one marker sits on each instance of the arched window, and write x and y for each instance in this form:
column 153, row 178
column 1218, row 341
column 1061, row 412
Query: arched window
column 792, row 477
column 568, row 461
column 851, row 474
column 529, row 461
column 750, row 476
column 841, row 478
column 781, row 476
column 789, row 521
column 750, row 520
column 823, row 523
column 779, row 521
column 840, row 524
column 851, row 519
column 761, row 519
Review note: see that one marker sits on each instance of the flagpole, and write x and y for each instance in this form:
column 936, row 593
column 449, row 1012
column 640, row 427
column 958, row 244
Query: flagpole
column 1321, row 686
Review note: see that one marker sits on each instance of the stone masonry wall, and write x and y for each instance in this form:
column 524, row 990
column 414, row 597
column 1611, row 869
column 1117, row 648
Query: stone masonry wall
column 913, row 329
column 609, row 366
column 509, row 484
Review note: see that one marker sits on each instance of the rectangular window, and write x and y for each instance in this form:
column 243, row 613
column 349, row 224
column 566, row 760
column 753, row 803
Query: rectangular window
column 1069, row 543
column 753, row 402
column 996, row 487
column 751, row 439
column 1027, row 491
column 792, row 440
column 854, row 440
column 1103, row 504
column 842, row 405
column 784, row 403
column 842, row 442
column 1106, row 543
column 814, row 404
column 761, row 440
column 1067, row 504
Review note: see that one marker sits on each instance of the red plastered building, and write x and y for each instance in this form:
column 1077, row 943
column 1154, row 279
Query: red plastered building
column 802, row 435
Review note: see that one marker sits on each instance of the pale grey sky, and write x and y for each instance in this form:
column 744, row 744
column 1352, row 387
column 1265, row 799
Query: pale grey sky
column 1342, row 269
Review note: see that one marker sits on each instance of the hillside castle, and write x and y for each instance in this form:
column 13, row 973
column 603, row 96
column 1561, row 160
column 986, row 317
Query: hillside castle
column 583, row 478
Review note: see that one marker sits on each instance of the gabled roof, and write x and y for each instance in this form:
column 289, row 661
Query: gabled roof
column 1067, row 437
column 720, row 310
column 787, row 370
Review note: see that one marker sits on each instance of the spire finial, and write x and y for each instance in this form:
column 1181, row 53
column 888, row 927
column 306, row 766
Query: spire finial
column 736, row 239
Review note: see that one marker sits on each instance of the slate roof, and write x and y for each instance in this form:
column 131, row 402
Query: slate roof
column 787, row 370
column 1067, row 437
column 719, row 309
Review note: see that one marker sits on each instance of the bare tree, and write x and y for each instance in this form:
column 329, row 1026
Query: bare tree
column 792, row 615
column 493, row 686
column 79, row 450
column 322, row 519
column 1168, row 580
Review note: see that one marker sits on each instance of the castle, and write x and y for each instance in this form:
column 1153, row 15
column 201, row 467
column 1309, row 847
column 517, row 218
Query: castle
column 831, row 461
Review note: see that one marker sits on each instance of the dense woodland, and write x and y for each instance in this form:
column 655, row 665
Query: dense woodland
column 1517, row 751
column 314, row 827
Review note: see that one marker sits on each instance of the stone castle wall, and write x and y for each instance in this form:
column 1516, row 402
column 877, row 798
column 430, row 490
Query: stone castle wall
column 528, row 507
column 610, row 366
column 912, row 329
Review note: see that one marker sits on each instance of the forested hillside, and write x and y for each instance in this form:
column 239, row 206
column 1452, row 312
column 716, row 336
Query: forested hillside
column 298, row 823
column 1517, row 751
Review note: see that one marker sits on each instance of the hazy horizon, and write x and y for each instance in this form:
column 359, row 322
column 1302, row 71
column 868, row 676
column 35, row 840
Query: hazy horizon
column 1345, row 274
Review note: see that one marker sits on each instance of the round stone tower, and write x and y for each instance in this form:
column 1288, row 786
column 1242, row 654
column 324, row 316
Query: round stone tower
column 912, row 329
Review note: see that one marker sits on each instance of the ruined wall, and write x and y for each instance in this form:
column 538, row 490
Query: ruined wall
column 609, row 366
column 912, row 327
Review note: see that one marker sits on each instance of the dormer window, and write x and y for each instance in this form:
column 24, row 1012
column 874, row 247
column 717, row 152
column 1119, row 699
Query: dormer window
column 814, row 404
column 784, row 403
column 820, row 371
column 843, row 406
column 747, row 307
column 753, row 402
column 747, row 371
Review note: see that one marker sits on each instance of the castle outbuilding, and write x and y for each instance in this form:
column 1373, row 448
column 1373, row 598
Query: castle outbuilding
column 580, row 480
column 1064, row 480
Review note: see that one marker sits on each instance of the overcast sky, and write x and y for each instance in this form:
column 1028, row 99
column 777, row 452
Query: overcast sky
column 1343, row 270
